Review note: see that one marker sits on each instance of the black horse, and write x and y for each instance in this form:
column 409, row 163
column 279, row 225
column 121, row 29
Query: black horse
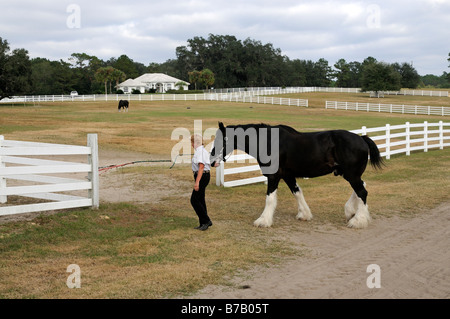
column 284, row 153
column 123, row 104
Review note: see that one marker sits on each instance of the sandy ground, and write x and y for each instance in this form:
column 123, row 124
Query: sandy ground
column 413, row 256
column 412, row 253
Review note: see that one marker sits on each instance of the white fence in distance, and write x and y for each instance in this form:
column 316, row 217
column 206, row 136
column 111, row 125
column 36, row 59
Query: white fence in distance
column 435, row 93
column 214, row 94
column 285, row 90
column 388, row 108
column 27, row 167
column 390, row 139
column 241, row 96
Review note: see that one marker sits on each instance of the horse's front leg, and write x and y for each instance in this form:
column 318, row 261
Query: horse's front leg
column 304, row 212
column 266, row 218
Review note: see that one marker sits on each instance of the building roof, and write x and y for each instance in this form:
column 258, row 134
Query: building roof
column 131, row 82
column 157, row 77
column 151, row 78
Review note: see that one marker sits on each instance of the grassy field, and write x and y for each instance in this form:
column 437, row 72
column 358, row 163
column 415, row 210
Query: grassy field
column 129, row 250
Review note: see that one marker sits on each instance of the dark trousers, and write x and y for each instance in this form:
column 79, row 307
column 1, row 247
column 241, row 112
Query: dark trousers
column 198, row 199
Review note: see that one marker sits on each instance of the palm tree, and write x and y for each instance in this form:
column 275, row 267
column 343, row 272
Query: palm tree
column 103, row 75
column 118, row 76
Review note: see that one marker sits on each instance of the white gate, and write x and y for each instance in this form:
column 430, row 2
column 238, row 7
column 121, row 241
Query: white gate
column 19, row 162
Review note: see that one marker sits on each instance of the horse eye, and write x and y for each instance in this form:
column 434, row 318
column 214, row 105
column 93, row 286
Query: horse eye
column 226, row 139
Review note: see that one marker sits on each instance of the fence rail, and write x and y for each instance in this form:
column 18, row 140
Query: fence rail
column 285, row 90
column 417, row 93
column 388, row 108
column 16, row 165
column 242, row 96
column 208, row 95
column 390, row 139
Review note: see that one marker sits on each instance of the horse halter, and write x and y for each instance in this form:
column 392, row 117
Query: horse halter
column 220, row 154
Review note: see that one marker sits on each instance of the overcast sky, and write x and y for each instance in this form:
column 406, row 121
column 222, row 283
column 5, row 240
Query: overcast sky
column 416, row 31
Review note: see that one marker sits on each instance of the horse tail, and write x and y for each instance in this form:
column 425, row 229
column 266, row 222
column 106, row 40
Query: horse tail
column 375, row 159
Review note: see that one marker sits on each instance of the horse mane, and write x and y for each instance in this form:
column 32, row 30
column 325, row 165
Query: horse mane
column 264, row 125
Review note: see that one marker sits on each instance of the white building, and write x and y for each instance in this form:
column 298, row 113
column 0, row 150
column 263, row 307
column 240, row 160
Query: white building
column 157, row 81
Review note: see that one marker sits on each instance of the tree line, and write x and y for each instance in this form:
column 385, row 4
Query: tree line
column 221, row 60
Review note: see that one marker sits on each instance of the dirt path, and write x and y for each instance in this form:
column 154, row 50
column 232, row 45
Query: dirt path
column 413, row 255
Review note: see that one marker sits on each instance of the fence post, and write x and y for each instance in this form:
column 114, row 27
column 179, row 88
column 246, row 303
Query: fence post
column 220, row 176
column 388, row 141
column 425, row 136
column 441, row 135
column 408, row 139
column 93, row 175
column 3, row 198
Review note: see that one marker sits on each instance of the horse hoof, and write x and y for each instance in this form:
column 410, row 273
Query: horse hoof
column 261, row 223
column 358, row 223
column 304, row 217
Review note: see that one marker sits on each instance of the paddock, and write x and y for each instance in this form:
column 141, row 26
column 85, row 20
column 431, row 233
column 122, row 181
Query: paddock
column 143, row 240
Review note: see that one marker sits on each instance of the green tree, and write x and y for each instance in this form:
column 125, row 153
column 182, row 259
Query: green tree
column 127, row 66
column 379, row 76
column 84, row 67
column 51, row 77
column 207, row 78
column 348, row 74
column 235, row 63
column 296, row 75
column 117, row 76
column 104, row 75
column 154, row 68
column 410, row 77
column 194, row 78
column 343, row 73
column 15, row 71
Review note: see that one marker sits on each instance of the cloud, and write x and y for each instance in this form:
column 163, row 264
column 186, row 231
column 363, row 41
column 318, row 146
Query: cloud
column 150, row 31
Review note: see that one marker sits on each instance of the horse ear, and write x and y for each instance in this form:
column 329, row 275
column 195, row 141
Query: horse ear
column 221, row 127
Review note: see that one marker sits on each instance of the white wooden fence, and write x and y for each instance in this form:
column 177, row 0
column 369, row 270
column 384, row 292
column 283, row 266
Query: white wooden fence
column 216, row 94
column 417, row 93
column 243, row 97
column 26, row 167
column 390, row 139
column 388, row 108
column 221, row 171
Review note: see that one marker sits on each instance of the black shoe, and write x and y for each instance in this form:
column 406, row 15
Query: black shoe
column 205, row 226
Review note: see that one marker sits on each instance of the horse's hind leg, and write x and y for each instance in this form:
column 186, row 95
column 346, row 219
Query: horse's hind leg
column 356, row 209
column 304, row 213
column 266, row 218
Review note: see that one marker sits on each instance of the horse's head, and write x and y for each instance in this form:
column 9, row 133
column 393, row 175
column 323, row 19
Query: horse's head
column 221, row 147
